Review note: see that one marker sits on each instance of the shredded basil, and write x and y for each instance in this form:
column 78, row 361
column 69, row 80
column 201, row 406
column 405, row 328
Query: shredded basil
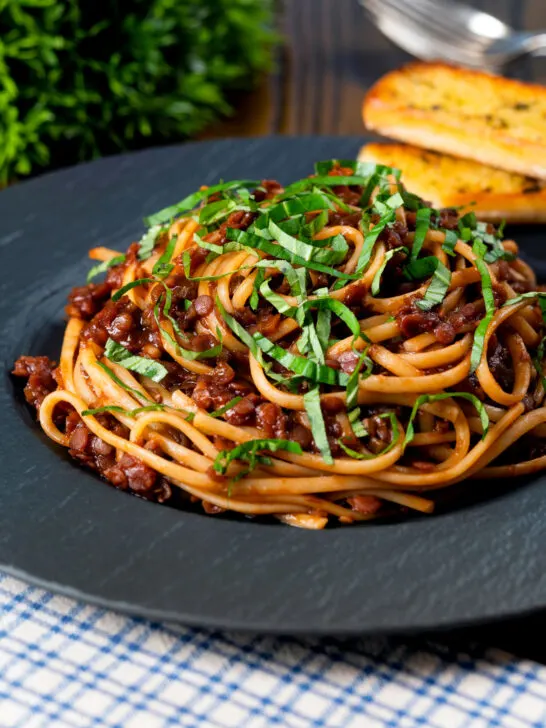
column 538, row 361
column 148, row 240
column 468, row 221
column 298, row 364
column 356, row 424
column 258, row 242
column 489, row 300
column 417, row 270
column 326, row 181
column 163, row 265
column 450, row 242
column 539, row 356
column 377, row 277
column 426, row 398
column 323, row 327
column 254, row 299
column 370, row 238
column 309, row 251
column 120, row 383
column 498, row 253
column 311, row 402
column 222, row 410
column 437, row 287
column 128, row 286
column 422, row 224
column 310, row 229
column 189, row 202
column 395, row 436
column 322, row 168
column 104, row 266
column 248, row 451
column 354, row 379
column 216, row 211
column 150, row 368
column 184, row 353
column 387, row 211
column 309, row 202
column 122, row 411
column 353, row 453
column 378, row 176
column 539, row 295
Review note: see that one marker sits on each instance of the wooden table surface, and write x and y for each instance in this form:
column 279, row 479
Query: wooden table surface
column 331, row 54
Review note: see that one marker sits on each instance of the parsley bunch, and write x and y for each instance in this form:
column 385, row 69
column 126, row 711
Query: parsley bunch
column 80, row 78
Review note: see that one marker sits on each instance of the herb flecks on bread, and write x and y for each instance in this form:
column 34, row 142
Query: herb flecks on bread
column 466, row 113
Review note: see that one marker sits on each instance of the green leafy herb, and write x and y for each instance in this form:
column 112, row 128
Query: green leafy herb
column 141, row 365
column 222, row 410
column 377, row 277
column 311, row 402
column 216, row 211
column 322, row 168
column 310, row 252
column 417, row 270
column 307, row 202
column 252, row 240
column 104, row 266
column 128, row 286
column 254, row 298
column 498, row 253
column 185, row 353
column 191, row 201
column 310, row 229
column 395, row 436
column 489, row 300
column 326, row 181
column 450, row 242
column 539, row 295
column 422, row 224
column 163, row 265
column 353, row 453
column 186, row 262
column 298, row 364
column 378, row 177
column 426, row 398
column 468, row 221
column 437, row 287
column 323, row 327
column 148, row 241
column 370, row 238
column 122, row 411
column 354, row 378
column 538, row 361
column 356, row 424
column 134, row 392
column 249, row 452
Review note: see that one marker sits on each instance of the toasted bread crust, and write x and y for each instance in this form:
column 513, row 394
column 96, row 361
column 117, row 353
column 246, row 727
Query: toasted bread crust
column 447, row 181
column 470, row 114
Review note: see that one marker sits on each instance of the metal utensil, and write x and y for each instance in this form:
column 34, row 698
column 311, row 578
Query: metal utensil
column 452, row 31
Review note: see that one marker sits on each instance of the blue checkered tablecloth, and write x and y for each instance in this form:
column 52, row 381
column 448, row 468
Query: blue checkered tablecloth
column 63, row 663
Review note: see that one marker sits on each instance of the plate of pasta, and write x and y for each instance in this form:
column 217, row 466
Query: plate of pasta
column 297, row 398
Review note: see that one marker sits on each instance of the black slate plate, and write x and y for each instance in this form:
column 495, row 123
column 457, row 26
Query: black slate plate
column 63, row 528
